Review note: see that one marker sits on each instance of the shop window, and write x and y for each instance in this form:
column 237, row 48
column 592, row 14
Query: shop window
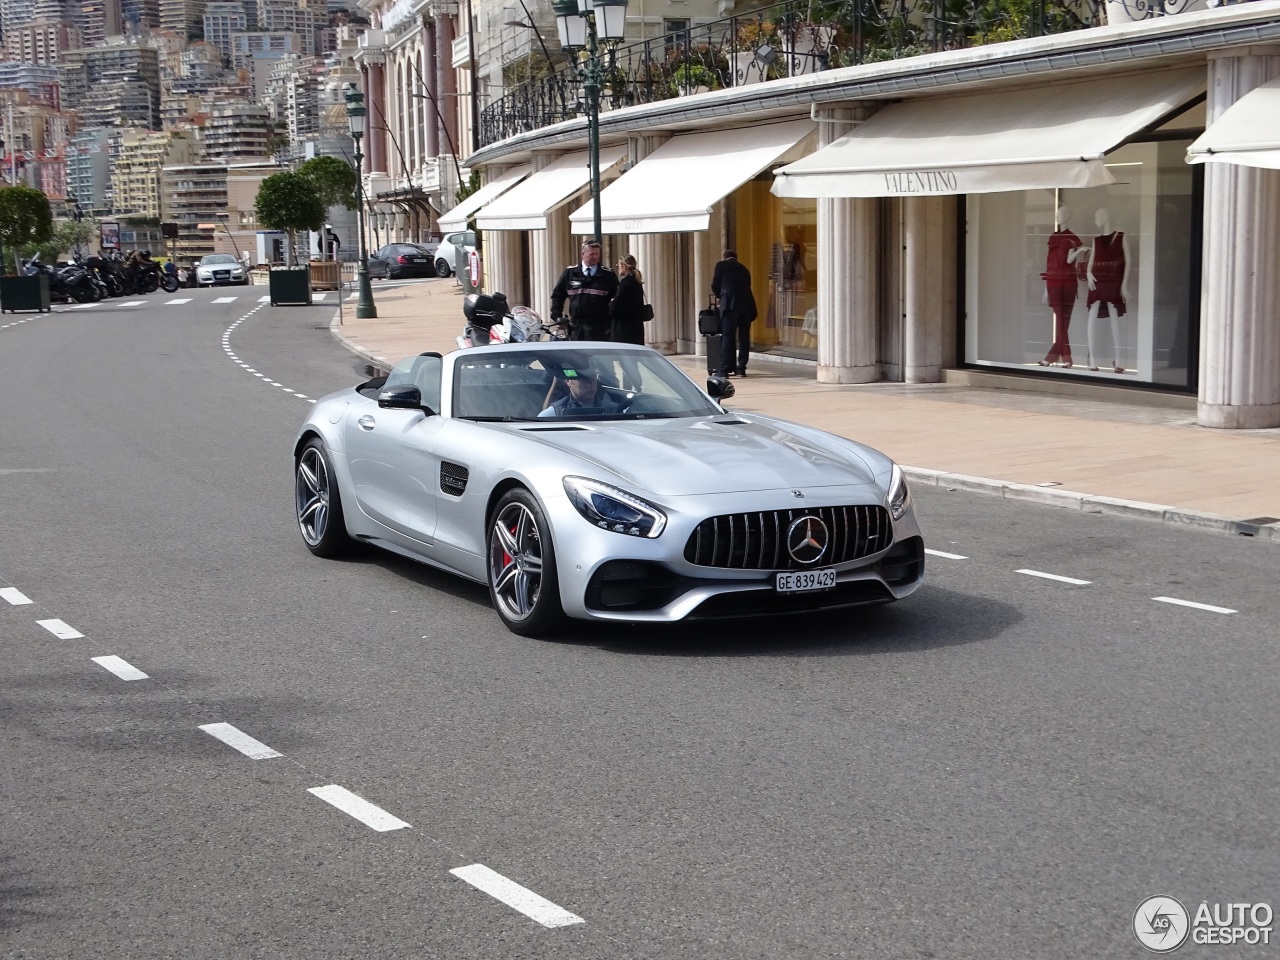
column 1104, row 277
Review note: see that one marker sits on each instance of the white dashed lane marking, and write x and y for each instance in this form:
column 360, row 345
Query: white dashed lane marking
column 134, row 303
column 266, row 299
column 515, row 896
column 60, row 630
column 319, row 296
column 81, row 306
column 179, row 300
column 121, row 668
column 361, row 809
column 239, row 740
column 226, row 348
column 14, row 595
column 1054, row 576
column 1194, row 605
column 944, row 555
column 225, row 300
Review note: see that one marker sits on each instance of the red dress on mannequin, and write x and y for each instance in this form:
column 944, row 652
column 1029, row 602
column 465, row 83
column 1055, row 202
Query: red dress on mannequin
column 1108, row 273
column 1060, row 285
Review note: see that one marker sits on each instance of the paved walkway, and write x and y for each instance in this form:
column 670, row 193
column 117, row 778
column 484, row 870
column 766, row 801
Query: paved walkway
column 1096, row 455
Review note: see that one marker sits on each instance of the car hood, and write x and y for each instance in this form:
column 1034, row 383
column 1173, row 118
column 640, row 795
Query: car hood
column 733, row 453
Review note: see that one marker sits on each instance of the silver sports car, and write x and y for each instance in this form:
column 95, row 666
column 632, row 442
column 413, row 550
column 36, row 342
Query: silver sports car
column 595, row 480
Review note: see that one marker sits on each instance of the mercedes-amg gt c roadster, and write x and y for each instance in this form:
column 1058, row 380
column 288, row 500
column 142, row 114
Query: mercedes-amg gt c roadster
column 597, row 481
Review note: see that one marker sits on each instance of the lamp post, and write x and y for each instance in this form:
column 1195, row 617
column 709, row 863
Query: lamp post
column 365, row 309
column 587, row 23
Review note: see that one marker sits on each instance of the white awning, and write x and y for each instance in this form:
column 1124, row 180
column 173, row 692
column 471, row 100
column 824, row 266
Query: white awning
column 526, row 205
column 1247, row 133
column 674, row 188
column 456, row 219
column 1054, row 135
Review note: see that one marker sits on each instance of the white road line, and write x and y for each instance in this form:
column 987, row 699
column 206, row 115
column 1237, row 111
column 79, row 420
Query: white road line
column 266, row 299
column 944, row 555
column 358, row 807
column 225, row 300
column 14, row 596
column 318, row 296
column 81, row 306
column 515, row 896
column 1054, row 576
column 60, row 630
column 237, row 739
column 134, row 303
column 121, row 668
column 1194, row 605
column 179, row 300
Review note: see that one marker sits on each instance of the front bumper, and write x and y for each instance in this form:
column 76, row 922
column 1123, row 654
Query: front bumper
column 615, row 577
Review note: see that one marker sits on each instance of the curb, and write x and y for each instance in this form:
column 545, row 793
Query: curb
column 1093, row 503
column 1028, row 493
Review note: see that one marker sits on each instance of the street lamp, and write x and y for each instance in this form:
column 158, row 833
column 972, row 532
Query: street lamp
column 585, row 23
column 365, row 309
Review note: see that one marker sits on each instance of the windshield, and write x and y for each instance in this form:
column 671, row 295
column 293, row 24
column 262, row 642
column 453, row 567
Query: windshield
column 218, row 258
column 586, row 384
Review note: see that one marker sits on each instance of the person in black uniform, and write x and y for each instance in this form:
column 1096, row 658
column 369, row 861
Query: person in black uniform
column 587, row 287
column 731, row 283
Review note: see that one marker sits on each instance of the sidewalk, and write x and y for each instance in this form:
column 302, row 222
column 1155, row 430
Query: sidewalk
column 1093, row 455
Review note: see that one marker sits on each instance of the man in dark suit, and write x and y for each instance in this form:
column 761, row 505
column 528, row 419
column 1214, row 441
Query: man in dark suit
column 586, row 288
column 731, row 284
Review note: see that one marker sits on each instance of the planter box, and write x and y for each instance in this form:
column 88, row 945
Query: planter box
column 24, row 293
column 290, row 286
column 326, row 275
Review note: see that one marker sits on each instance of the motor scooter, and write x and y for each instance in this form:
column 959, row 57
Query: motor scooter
column 491, row 320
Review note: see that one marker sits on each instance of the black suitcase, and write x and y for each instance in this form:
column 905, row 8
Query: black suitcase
column 714, row 343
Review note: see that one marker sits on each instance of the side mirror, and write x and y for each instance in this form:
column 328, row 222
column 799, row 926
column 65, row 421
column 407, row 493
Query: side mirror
column 720, row 388
column 403, row 396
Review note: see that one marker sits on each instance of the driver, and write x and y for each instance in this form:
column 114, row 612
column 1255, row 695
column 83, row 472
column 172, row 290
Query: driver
column 585, row 397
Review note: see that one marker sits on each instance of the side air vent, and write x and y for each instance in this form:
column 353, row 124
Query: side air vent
column 565, row 429
column 453, row 478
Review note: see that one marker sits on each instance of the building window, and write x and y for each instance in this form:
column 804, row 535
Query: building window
column 1105, row 285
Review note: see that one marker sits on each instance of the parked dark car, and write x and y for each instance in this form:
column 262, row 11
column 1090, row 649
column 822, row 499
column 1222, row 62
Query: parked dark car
column 397, row 260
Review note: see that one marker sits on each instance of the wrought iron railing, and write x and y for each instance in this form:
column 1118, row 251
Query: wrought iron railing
column 787, row 39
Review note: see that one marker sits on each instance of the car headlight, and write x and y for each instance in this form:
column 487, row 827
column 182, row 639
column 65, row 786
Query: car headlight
column 899, row 497
column 236, row 271
column 612, row 509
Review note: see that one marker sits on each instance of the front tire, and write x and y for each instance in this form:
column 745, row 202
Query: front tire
column 522, row 577
column 442, row 268
column 317, row 504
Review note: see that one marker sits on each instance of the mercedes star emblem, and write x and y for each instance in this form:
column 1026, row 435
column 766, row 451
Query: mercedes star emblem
column 807, row 539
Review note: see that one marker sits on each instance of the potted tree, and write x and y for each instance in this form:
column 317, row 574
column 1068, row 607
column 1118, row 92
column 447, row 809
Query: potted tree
column 334, row 182
column 25, row 220
column 287, row 201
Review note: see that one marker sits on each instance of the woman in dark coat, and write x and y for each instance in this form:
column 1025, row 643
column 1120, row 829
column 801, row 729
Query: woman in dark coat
column 626, row 309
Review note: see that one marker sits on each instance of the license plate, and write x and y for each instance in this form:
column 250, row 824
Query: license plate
column 419, row 259
column 805, row 581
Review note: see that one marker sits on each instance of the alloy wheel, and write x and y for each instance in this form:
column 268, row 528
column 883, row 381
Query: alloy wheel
column 515, row 561
column 311, row 495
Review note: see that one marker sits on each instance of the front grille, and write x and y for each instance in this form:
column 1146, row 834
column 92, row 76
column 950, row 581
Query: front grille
column 453, row 478
column 758, row 541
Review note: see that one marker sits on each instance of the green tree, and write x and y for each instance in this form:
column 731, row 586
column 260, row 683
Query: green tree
column 72, row 235
column 25, row 218
column 334, row 180
column 289, row 202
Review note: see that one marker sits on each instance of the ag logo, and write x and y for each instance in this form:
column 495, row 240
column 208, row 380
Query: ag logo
column 1161, row 924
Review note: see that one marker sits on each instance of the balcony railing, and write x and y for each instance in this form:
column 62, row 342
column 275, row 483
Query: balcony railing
column 786, row 40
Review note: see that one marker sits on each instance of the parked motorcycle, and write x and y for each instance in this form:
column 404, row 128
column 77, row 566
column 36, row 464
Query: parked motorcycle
column 66, row 282
column 490, row 319
column 105, row 270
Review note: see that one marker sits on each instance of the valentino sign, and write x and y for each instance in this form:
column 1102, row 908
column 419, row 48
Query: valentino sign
column 920, row 181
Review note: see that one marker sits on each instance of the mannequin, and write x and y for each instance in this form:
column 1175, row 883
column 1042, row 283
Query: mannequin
column 1060, row 287
column 1108, row 277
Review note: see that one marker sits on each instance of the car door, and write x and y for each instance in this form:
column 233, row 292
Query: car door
column 392, row 457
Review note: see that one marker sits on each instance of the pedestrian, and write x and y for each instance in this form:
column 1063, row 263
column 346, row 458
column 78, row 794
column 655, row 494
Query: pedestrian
column 587, row 288
column 731, row 285
column 627, row 308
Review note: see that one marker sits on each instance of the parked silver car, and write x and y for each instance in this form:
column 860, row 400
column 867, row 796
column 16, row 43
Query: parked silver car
column 597, row 481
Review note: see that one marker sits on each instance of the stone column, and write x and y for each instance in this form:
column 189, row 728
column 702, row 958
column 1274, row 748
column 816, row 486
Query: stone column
column 447, row 86
column 503, row 269
column 376, row 114
column 929, row 284
column 430, row 78
column 550, row 250
column 1240, row 299
column 848, row 271
column 706, row 254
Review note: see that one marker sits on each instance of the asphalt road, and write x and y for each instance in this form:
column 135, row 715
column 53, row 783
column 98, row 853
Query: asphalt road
column 1005, row 765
